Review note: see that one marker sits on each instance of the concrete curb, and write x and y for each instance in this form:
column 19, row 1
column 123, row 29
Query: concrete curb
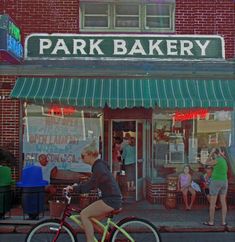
column 6, row 229
column 24, row 228
column 167, row 229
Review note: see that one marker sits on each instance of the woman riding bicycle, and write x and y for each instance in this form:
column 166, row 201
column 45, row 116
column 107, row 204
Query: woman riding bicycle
column 102, row 179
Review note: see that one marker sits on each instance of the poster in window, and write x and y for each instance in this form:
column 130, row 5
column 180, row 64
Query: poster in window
column 59, row 141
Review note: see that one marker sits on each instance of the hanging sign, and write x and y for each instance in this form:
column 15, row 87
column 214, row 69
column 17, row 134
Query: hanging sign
column 11, row 49
column 123, row 47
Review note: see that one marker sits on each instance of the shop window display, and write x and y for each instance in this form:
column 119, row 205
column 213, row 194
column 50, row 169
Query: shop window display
column 58, row 134
column 186, row 137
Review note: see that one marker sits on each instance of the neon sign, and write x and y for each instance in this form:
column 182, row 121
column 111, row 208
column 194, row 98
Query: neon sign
column 200, row 113
column 10, row 40
column 56, row 110
column 14, row 46
column 14, row 31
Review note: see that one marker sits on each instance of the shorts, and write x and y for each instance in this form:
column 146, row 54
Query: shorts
column 206, row 191
column 113, row 202
column 130, row 172
column 116, row 166
column 218, row 187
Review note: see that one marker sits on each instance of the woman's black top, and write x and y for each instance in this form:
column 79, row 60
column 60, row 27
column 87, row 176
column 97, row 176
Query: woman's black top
column 103, row 180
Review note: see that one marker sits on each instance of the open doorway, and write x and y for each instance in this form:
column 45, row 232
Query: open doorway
column 127, row 165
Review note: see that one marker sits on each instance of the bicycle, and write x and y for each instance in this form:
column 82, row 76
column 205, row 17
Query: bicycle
column 128, row 229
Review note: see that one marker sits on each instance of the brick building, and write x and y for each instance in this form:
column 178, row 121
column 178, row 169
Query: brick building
column 160, row 70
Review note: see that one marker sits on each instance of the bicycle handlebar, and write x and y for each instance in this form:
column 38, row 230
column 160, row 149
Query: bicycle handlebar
column 67, row 195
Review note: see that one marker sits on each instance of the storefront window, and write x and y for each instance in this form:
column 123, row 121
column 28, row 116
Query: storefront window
column 186, row 137
column 58, row 134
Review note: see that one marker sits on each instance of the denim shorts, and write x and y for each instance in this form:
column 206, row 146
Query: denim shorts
column 218, row 187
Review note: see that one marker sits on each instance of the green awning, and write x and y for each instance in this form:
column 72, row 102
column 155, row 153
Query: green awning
column 126, row 93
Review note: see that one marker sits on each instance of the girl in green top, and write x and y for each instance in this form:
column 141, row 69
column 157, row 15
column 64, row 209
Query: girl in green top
column 218, row 184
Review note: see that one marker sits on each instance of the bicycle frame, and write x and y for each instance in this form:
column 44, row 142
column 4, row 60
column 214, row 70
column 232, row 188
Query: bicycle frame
column 75, row 218
column 105, row 227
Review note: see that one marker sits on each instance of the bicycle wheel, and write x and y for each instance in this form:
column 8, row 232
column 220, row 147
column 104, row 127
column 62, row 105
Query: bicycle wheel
column 140, row 230
column 45, row 231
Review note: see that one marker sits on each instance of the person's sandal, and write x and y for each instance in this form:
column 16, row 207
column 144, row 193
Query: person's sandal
column 208, row 223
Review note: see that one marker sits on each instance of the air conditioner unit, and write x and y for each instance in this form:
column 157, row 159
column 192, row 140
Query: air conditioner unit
column 176, row 157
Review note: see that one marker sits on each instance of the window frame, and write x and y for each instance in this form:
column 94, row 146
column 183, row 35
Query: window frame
column 83, row 15
column 126, row 28
column 112, row 17
column 170, row 16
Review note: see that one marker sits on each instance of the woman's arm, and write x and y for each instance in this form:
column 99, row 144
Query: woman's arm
column 178, row 183
column 210, row 160
column 190, row 179
column 85, row 187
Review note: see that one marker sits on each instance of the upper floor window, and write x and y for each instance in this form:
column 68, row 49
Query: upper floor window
column 95, row 15
column 120, row 15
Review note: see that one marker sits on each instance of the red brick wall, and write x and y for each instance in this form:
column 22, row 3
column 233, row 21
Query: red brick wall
column 43, row 16
column 9, row 118
column 213, row 17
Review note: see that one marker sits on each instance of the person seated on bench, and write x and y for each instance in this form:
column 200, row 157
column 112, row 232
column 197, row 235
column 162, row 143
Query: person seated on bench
column 184, row 185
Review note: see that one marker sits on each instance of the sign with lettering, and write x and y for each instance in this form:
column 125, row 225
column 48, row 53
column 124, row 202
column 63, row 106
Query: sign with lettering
column 190, row 114
column 60, row 138
column 123, row 47
column 10, row 40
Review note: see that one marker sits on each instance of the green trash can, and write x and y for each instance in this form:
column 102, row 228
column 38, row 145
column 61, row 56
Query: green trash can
column 5, row 190
column 5, row 200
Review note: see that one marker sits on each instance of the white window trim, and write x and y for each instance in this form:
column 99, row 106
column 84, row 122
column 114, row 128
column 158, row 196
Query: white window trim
column 171, row 17
column 126, row 28
column 111, row 18
column 89, row 28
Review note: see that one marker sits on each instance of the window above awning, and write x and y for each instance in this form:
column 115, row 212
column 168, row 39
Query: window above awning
column 126, row 93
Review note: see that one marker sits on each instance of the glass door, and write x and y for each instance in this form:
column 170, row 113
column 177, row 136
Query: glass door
column 141, row 159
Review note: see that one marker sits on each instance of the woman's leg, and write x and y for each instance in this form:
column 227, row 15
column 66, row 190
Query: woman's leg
column 224, row 207
column 185, row 197
column 96, row 209
column 193, row 197
column 212, row 209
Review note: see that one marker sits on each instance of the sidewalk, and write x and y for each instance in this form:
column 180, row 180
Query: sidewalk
column 166, row 220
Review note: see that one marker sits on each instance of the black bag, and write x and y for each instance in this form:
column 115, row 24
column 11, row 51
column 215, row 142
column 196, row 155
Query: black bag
column 123, row 165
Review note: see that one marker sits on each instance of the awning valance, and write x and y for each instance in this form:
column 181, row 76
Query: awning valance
column 126, row 93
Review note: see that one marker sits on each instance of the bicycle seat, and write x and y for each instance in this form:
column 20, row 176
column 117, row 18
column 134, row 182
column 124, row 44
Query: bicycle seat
column 114, row 212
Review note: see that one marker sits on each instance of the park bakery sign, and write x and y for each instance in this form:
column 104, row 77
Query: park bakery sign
column 123, row 47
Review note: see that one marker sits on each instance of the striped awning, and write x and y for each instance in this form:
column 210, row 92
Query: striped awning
column 126, row 93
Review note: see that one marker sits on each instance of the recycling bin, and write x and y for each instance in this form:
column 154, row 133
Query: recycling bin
column 33, row 191
column 5, row 190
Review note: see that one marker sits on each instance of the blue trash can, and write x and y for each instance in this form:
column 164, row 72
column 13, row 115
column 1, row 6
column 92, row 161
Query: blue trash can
column 5, row 190
column 33, row 191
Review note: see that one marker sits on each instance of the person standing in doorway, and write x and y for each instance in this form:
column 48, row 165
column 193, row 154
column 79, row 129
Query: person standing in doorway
column 125, row 141
column 116, row 156
column 129, row 159
column 218, row 184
